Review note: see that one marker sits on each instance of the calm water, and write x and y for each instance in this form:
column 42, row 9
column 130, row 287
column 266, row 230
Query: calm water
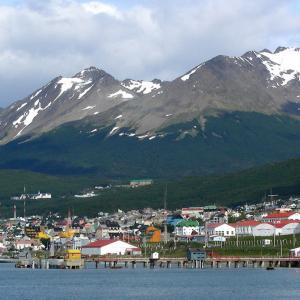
column 148, row 284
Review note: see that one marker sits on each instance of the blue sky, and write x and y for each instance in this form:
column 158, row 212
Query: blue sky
column 143, row 39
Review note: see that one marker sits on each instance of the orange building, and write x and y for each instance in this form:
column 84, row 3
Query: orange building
column 153, row 234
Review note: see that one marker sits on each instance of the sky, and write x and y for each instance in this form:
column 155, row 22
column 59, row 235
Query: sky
column 144, row 39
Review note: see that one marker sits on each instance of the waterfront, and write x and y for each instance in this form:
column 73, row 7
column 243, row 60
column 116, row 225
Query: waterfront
column 142, row 283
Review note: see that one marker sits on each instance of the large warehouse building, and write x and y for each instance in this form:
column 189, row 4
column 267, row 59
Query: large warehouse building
column 106, row 247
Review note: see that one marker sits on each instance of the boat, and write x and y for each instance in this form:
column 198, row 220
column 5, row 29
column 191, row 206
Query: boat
column 270, row 268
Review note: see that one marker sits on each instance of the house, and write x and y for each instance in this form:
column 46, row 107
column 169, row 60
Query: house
column 245, row 227
column 26, row 244
column 153, row 235
column 187, row 228
column 278, row 217
column 295, row 252
column 194, row 212
column 224, row 229
column 115, row 247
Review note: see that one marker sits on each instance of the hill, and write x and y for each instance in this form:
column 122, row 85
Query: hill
column 233, row 189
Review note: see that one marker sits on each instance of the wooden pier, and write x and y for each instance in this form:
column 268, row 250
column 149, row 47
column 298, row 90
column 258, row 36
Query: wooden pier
column 210, row 262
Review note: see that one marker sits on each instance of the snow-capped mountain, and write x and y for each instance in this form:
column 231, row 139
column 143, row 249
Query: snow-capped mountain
column 262, row 81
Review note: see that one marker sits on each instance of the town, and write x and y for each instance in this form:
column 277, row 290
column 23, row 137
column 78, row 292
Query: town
column 267, row 229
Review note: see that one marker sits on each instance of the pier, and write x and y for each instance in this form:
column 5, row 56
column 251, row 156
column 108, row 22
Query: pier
column 183, row 262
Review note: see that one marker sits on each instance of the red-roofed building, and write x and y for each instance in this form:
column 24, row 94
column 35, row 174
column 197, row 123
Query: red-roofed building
column 278, row 217
column 245, row 227
column 106, row 247
column 287, row 227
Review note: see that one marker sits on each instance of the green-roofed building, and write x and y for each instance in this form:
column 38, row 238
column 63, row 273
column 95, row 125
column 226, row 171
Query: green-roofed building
column 140, row 182
column 187, row 228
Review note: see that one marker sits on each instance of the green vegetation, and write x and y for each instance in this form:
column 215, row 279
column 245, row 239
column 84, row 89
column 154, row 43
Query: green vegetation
column 229, row 142
column 232, row 189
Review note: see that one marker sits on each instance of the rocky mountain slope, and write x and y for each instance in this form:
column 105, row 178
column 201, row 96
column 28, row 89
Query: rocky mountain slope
column 262, row 81
column 226, row 114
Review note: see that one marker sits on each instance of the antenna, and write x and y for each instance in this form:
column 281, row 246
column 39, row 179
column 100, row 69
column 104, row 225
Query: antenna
column 15, row 211
column 165, row 208
column 24, row 203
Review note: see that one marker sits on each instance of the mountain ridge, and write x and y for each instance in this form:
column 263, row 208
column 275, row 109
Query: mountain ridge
column 256, row 81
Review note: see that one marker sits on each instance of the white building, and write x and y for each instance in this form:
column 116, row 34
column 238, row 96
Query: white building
column 188, row 212
column 40, row 196
column 80, row 241
column 264, row 229
column 115, row 247
column 187, row 228
column 278, row 217
column 287, row 227
column 221, row 229
column 245, row 227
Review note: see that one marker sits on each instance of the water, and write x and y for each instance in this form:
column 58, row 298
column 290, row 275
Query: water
column 148, row 284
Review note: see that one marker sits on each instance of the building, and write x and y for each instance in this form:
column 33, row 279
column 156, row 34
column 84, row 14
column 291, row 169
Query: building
column 40, row 196
column 287, row 227
column 196, row 254
column 140, row 182
column 192, row 212
column 264, row 229
column 224, row 229
column 153, row 235
column 110, row 247
column 245, row 227
column 278, row 217
column 295, row 252
column 187, row 228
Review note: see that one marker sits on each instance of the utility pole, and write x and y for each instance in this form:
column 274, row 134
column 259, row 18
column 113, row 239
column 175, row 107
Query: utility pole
column 15, row 211
column 24, row 203
column 165, row 209
column 206, row 235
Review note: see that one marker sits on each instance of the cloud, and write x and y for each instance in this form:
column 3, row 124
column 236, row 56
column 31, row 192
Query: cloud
column 102, row 8
column 40, row 40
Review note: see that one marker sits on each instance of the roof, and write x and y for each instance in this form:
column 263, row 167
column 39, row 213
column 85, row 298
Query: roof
column 285, row 222
column 99, row 243
column 280, row 215
column 215, row 225
column 188, row 223
column 192, row 208
column 247, row 223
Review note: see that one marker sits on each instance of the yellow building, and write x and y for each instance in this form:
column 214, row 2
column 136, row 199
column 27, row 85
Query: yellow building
column 153, row 234
column 73, row 254
column 67, row 234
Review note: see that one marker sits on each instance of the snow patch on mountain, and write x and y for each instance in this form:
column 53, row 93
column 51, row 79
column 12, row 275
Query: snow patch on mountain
column 284, row 64
column 113, row 130
column 140, row 86
column 27, row 118
column 36, row 94
column 89, row 107
column 20, row 107
column 122, row 94
column 84, row 92
column 187, row 76
column 68, row 83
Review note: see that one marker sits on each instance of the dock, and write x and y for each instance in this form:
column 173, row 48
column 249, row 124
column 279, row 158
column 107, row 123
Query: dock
column 210, row 262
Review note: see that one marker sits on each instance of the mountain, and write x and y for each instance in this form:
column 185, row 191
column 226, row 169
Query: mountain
column 249, row 186
column 226, row 114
